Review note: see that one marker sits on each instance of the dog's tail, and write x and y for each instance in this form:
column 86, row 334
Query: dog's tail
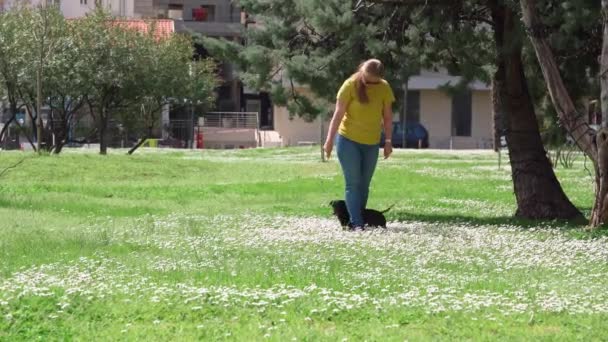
column 389, row 208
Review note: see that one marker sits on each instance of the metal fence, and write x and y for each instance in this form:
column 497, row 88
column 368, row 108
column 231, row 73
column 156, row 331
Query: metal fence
column 179, row 133
column 230, row 120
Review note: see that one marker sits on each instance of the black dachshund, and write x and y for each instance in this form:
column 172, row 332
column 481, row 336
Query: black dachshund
column 371, row 217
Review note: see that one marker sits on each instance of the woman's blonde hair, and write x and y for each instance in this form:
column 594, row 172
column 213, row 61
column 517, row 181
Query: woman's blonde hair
column 371, row 67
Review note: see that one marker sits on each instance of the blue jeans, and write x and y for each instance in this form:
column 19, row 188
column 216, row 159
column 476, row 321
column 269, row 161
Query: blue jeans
column 358, row 163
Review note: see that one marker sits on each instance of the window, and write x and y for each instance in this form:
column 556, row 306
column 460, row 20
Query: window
column 210, row 10
column 462, row 109
column 413, row 107
column 203, row 13
column 253, row 106
column 175, row 12
column 83, row 2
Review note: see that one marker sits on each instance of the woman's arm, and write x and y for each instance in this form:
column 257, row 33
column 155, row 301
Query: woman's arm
column 387, row 119
column 333, row 127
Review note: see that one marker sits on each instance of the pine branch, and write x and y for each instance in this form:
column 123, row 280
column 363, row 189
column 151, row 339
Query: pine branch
column 361, row 5
column 412, row 2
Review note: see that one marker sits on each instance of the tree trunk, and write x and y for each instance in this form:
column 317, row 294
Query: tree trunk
column 497, row 116
column 142, row 140
column 39, row 135
column 61, row 136
column 404, row 113
column 21, row 130
column 103, row 131
column 599, row 215
column 60, row 129
column 604, row 67
column 34, row 128
column 538, row 192
column 5, row 129
column 138, row 145
column 59, row 146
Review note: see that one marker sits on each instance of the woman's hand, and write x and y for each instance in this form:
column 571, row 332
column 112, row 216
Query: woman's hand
column 388, row 149
column 387, row 121
column 328, row 147
column 333, row 127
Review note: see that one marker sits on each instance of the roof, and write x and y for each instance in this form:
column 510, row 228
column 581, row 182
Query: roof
column 164, row 28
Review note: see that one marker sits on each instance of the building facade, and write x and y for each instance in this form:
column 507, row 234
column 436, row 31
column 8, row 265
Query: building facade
column 453, row 122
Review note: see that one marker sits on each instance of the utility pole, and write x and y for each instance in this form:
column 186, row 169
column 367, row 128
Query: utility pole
column 39, row 107
column 191, row 124
column 404, row 112
column 322, row 137
column 39, row 80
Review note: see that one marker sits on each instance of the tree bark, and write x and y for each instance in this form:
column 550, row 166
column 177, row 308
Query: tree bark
column 138, row 145
column 574, row 122
column 39, row 135
column 599, row 215
column 60, row 129
column 5, row 129
column 103, row 130
column 59, row 146
column 61, row 136
column 538, row 192
column 498, row 128
column 604, row 67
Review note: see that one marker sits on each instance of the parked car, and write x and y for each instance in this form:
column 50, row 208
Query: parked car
column 415, row 135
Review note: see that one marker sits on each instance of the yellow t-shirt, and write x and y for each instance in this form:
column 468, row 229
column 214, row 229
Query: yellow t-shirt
column 362, row 122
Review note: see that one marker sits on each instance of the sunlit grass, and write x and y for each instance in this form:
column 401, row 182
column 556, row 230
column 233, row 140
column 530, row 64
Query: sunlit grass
column 240, row 245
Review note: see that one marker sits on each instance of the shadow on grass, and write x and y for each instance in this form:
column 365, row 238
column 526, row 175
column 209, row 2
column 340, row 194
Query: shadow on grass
column 404, row 216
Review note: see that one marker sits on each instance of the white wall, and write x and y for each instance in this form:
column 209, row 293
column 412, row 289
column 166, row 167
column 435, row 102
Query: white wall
column 74, row 9
column 297, row 131
column 120, row 8
column 436, row 116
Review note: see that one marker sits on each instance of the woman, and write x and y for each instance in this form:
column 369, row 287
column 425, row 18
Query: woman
column 364, row 103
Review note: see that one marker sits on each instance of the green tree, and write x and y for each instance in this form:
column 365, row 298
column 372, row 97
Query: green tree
column 109, row 58
column 593, row 144
column 319, row 43
column 12, row 63
column 43, row 39
column 65, row 87
column 575, row 36
column 167, row 75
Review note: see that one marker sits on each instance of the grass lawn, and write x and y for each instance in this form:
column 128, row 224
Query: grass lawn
column 240, row 245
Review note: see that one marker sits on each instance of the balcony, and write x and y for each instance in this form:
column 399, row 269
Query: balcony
column 210, row 20
column 214, row 29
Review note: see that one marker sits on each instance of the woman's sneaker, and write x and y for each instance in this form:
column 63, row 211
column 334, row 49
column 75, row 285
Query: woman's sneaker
column 358, row 229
